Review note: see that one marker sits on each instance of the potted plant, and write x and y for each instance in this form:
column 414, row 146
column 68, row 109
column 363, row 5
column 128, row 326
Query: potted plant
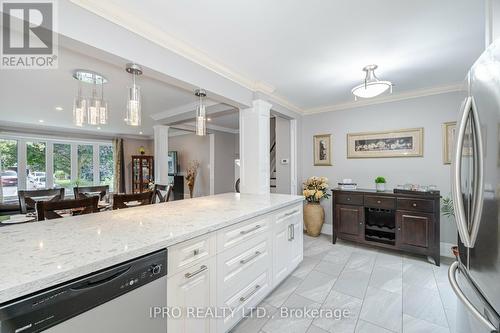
column 380, row 184
column 314, row 189
column 448, row 210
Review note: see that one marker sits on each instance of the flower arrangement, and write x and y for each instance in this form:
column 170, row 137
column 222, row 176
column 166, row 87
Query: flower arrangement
column 314, row 189
column 191, row 172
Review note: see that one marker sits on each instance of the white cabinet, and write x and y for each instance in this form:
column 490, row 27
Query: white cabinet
column 190, row 289
column 288, row 242
column 233, row 268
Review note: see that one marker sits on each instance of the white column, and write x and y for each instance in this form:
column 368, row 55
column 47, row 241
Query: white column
column 492, row 29
column 161, row 154
column 254, row 148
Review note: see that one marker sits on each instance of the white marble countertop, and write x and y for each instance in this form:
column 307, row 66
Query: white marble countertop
column 38, row 255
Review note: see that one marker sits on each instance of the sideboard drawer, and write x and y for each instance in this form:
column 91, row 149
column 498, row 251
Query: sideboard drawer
column 374, row 201
column 349, row 199
column 421, row 205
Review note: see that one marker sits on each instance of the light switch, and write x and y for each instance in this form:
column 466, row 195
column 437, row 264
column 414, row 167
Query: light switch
column 284, row 161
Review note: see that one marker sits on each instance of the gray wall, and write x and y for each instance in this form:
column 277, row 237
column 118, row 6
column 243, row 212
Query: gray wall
column 225, row 154
column 192, row 147
column 428, row 112
column 282, row 151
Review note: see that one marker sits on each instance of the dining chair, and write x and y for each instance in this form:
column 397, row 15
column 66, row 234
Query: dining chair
column 28, row 198
column 88, row 191
column 120, row 200
column 161, row 193
column 48, row 210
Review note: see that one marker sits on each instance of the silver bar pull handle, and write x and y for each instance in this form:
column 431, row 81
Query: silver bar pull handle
column 291, row 213
column 193, row 274
column 461, row 296
column 244, row 298
column 293, row 231
column 253, row 256
column 244, row 232
column 477, row 207
column 290, row 233
column 456, row 186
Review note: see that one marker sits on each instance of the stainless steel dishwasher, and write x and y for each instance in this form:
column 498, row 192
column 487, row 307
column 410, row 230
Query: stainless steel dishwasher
column 116, row 299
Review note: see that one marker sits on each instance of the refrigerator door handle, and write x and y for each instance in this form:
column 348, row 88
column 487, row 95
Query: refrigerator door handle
column 456, row 185
column 477, row 203
column 461, row 296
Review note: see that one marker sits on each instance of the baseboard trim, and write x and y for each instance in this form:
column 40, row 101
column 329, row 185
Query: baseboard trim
column 445, row 248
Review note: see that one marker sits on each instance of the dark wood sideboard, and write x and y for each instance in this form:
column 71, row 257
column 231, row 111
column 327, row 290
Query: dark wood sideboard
column 407, row 222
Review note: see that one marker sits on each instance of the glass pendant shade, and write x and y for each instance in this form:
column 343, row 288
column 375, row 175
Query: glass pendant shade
column 201, row 120
column 372, row 86
column 134, row 114
column 134, row 106
column 94, row 109
column 201, row 114
column 79, row 111
column 103, row 112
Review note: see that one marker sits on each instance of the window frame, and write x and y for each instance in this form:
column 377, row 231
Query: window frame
column 22, row 140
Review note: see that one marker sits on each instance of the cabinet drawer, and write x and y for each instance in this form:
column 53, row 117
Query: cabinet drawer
column 349, row 199
column 239, row 233
column 420, row 205
column 374, row 201
column 249, row 296
column 191, row 252
column 237, row 267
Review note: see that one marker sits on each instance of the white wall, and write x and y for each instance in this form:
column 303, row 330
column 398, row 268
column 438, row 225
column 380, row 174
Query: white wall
column 191, row 147
column 225, row 154
column 427, row 112
column 282, row 152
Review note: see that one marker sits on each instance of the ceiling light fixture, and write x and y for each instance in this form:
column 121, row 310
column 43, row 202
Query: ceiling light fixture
column 133, row 117
column 93, row 110
column 59, row 108
column 372, row 86
column 201, row 114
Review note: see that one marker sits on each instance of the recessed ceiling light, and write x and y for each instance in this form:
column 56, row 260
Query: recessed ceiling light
column 98, row 127
column 41, row 121
column 140, row 132
column 59, row 108
column 209, row 119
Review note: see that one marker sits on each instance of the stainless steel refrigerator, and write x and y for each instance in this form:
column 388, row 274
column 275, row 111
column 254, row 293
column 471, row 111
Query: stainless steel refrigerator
column 475, row 277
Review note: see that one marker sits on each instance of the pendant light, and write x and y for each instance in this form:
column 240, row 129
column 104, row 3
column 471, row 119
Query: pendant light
column 79, row 108
column 92, row 110
column 201, row 114
column 93, row 117
column 372, row 86
column 133, row 117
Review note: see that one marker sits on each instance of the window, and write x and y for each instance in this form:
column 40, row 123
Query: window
column 52, row 163
column 35, row 164
column 8, row 170
column 106, row 166
column 62, row 166
column 85, row 165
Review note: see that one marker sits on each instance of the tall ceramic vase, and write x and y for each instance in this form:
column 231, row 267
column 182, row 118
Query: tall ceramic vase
column 314, row 217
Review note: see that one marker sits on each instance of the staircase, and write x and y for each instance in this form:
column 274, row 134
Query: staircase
column 273, row 166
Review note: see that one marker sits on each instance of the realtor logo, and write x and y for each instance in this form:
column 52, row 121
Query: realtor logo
column 28, row 38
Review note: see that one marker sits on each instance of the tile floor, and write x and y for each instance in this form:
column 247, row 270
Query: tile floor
column 384, row 291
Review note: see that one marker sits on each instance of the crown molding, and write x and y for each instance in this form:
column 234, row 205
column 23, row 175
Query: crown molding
column 143, row 28
column 387, row 98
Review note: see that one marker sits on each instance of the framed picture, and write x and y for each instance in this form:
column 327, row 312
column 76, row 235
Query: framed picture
column 322, row 148
column 449, row 132
column 397, row 143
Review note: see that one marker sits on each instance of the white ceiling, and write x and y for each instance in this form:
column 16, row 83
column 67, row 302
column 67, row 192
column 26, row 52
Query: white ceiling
column 312, row 51
column 28, row 96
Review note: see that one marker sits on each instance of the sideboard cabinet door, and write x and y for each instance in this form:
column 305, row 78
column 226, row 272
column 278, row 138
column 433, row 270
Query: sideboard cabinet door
column 414, row 231
column 350, row 221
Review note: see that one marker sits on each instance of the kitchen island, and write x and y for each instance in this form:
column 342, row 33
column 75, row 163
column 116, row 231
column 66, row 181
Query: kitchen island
column 240, row 236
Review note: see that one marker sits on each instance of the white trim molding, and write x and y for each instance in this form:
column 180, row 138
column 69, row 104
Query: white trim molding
column 387, row 98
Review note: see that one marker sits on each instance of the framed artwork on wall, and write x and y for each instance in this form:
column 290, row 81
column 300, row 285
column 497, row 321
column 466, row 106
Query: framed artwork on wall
column 449, row 130
column 397, row 143
column 322, row 149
